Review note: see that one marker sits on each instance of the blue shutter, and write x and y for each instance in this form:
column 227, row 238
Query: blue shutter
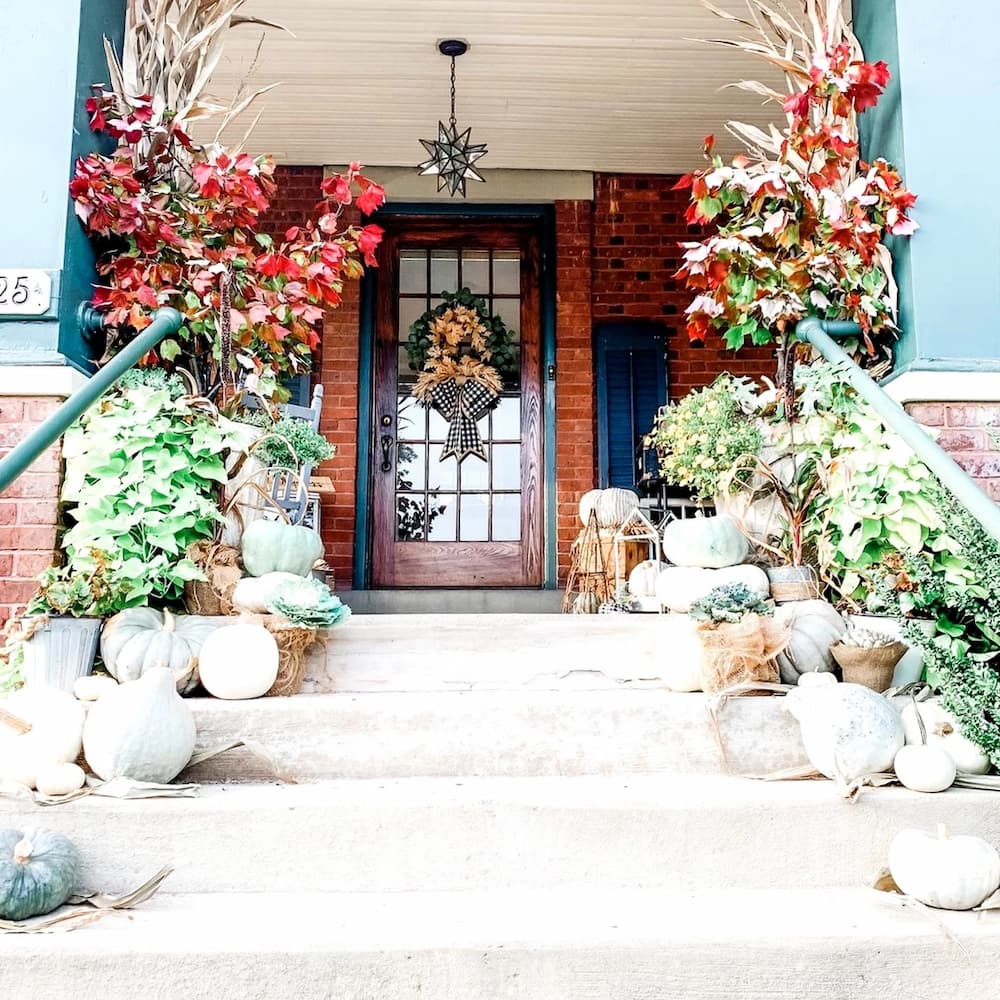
column 631, row 386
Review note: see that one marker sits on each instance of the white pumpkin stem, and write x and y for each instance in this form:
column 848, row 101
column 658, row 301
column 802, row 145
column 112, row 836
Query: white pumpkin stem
column 169, row 622
column 22, row 851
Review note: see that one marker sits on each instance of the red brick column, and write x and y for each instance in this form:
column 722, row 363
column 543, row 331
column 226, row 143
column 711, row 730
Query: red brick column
column 969, row 432
column 29, row 507
column 575, row 409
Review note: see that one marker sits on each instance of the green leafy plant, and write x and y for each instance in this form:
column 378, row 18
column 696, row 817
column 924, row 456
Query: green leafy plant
column 729, row 603
column 699, row 438
column 309, row 603
column 92, row 586
column 307, row 446
column 142, row 472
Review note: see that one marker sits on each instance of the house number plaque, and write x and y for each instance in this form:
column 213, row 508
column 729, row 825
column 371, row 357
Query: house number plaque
column 24, row 291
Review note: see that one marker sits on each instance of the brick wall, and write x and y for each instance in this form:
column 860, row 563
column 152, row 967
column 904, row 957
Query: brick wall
column 638, row 224
column 28, row 508
column 963, row 430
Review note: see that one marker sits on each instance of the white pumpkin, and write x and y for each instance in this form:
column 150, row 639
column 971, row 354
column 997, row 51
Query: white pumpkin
column 642, row 579
column 816, row 626
column 239, row 661
column 614, row 506
column 951, row 873
column 253, row 593
column 677, row 587
column 943, row 730
column 91, row 687
column 142, row 730
column 924, row 768
column 56, row 719
column 679, row 653
column 588, row 503
column 848, row 730
column 708, row 542
column 60, row 779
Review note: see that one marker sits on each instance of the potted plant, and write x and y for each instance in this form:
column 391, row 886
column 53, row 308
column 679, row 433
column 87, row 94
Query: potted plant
column 739, row 637
column 59, row 633
column 868, row 658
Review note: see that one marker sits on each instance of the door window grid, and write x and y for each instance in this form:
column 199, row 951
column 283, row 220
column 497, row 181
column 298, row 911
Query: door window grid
column 429, row 507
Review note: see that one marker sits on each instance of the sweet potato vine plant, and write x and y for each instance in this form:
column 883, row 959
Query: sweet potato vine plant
column 177, row 225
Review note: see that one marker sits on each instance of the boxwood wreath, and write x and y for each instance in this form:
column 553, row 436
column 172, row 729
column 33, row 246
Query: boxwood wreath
column 464, row 355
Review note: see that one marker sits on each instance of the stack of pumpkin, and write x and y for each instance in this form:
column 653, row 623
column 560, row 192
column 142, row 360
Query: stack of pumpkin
column 708, row 552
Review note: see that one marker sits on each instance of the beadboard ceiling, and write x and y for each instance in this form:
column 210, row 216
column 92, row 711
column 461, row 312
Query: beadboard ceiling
column 548, row 84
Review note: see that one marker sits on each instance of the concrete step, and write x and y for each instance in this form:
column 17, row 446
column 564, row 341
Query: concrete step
column 452, row 602
column 508, row 733
column 568, row 944
column 427, row 834
column 467, row 652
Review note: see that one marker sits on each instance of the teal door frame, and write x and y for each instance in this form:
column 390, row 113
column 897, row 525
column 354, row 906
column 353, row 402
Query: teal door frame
column 544, row 217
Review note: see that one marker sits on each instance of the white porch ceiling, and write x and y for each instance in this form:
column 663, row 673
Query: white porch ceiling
column 548, row 84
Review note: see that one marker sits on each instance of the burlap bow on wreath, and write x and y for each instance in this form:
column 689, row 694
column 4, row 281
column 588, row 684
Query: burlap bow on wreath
column 455, row 345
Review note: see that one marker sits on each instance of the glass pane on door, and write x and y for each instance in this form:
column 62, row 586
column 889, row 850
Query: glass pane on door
column 438, row 500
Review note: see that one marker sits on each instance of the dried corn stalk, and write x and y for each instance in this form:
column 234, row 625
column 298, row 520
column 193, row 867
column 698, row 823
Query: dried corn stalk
column 171, row 50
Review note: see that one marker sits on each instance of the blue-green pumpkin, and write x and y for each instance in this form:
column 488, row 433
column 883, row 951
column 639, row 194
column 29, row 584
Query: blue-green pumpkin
column 38, row 870
column 275, row 547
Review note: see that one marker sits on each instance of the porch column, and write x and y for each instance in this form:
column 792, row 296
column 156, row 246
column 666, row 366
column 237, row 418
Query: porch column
column 52, row 53
column 935, row 124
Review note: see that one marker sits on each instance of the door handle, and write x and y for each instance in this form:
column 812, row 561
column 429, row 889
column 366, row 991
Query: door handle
column 386, row 442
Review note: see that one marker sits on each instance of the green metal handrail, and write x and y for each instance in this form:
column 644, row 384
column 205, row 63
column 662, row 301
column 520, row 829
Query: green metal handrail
column 165, row 322
column 820, row 334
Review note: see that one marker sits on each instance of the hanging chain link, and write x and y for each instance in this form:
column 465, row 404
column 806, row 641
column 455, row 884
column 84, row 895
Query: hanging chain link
column 452, row 92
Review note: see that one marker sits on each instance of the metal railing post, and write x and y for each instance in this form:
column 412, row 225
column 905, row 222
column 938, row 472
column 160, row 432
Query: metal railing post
column 165, row 322
column 820, row 334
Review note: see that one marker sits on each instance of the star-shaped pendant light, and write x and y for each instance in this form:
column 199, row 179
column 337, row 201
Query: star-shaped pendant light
column 452, row 154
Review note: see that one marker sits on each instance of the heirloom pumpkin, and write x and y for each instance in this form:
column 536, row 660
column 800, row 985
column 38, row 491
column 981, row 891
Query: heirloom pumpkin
column 943, row 731
column 816, row 626
column 140, row 639
column 38, row 872
column 142, row 730
column 848, row 731
column 614, row 506
column 588, row 504
column 677, row 587
column 239, row 661
column 56, row 719
column 708, row 542
column 273, row 546
column 951, row 873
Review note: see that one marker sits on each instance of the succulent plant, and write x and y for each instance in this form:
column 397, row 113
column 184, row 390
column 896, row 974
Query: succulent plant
column 729, row 603
column 864, row 638
column 309, row 603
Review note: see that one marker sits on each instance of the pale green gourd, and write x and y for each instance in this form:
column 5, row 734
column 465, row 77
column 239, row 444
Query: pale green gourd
column 272, row 546
column 816, row 626
column 38, row 872
column 707, row 542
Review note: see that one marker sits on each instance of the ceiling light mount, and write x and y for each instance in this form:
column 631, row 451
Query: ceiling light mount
column 452, row 154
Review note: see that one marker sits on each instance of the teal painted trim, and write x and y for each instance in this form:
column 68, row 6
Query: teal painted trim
column 820, row 334
column 544, row 215
column 100, row 19
column 165, row 322
column 366, row 439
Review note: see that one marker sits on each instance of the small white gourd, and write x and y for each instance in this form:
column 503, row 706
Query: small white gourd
column 142, row 730
column 642, row 579
column 91, row 687
column 924, row 768
column 708, row 542
column 951, row 873
column 60, row 779
column 56, row 719
column 239, row 661
column 848, row 730
column 943, row 730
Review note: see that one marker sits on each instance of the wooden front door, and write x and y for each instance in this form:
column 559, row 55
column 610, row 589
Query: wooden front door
column 437, row 522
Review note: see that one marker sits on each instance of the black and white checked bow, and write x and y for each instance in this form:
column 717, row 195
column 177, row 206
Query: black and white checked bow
column 462, row 406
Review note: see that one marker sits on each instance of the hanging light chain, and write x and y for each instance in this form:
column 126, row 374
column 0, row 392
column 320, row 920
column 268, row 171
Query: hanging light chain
column 453, row 119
